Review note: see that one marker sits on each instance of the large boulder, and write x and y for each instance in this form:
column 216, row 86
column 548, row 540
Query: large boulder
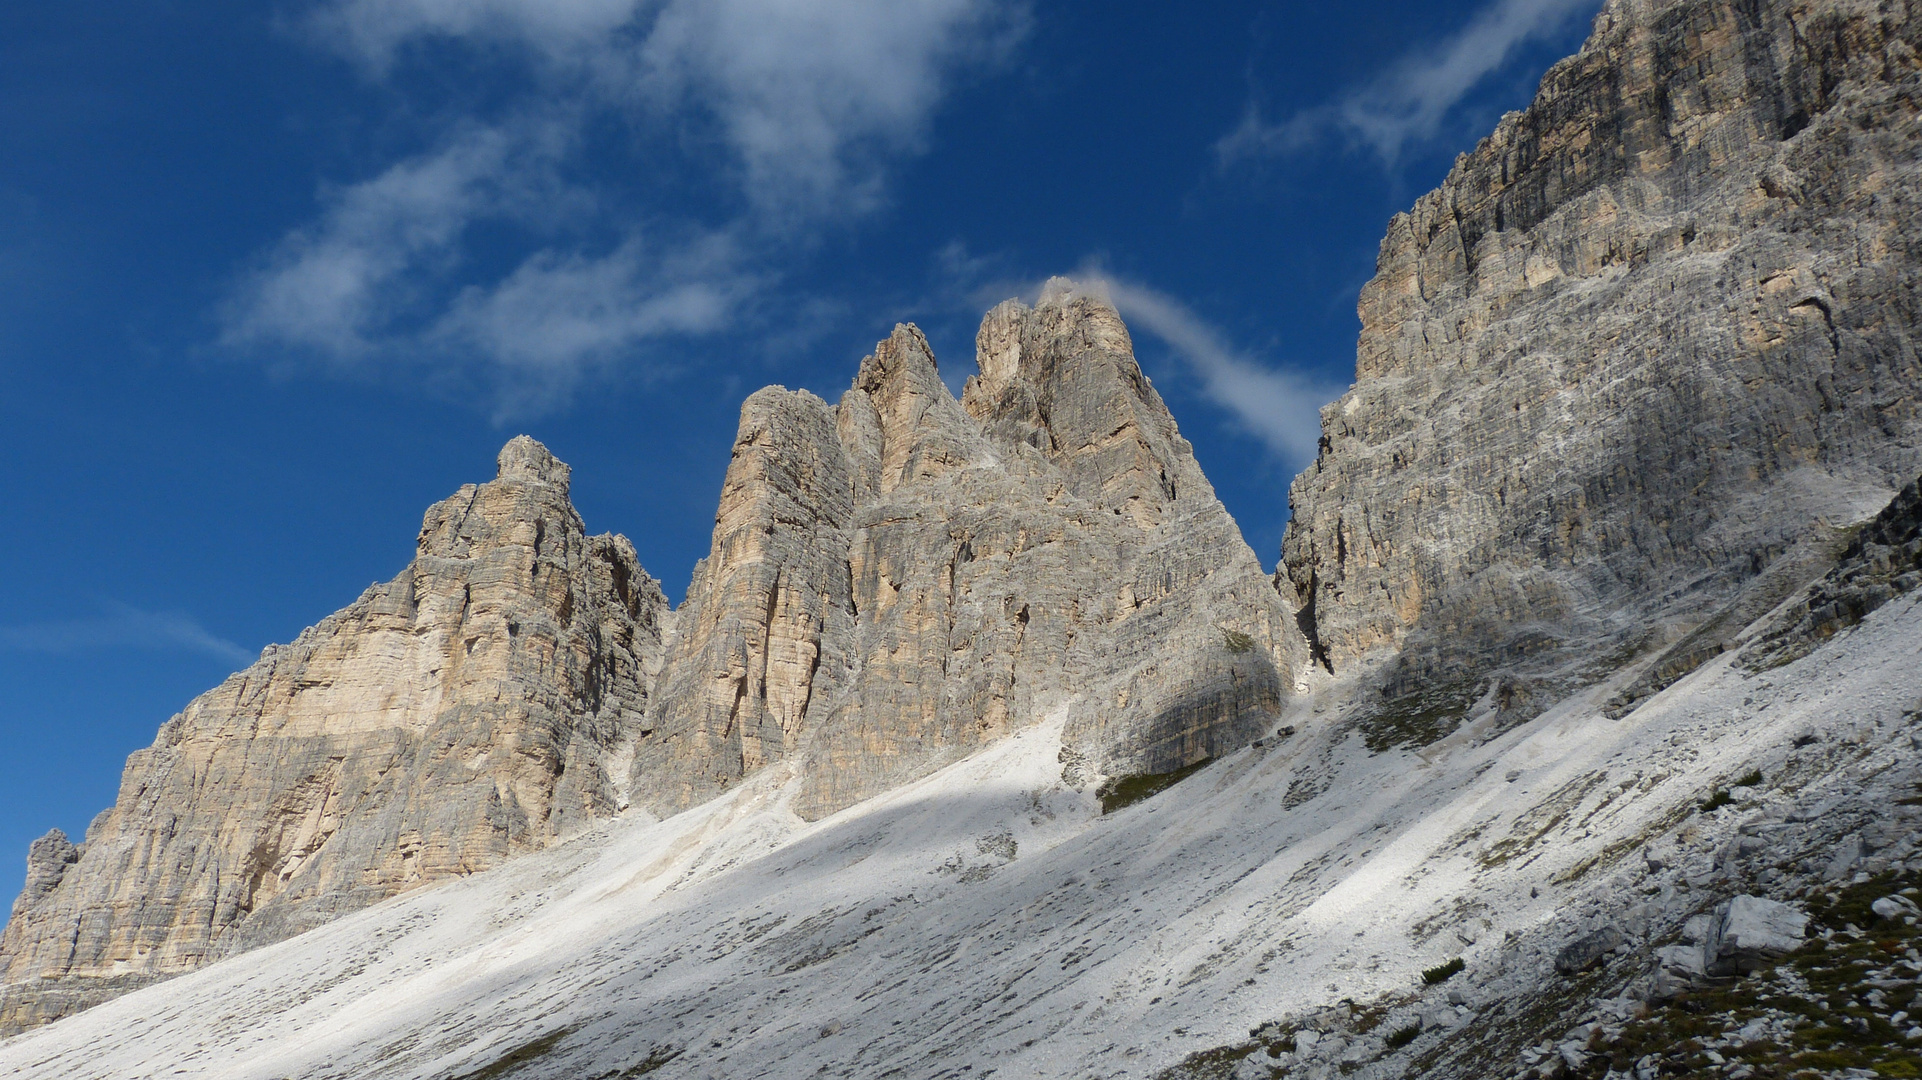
column 1750, row 933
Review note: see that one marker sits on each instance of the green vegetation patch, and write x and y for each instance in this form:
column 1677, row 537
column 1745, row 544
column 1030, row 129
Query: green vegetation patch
column 1441, row 973
column 525, row 1054
column 1123, row 792
column 1216, row 1064
column 1418, row 719
column 1237, row 642
column 1828, row 1004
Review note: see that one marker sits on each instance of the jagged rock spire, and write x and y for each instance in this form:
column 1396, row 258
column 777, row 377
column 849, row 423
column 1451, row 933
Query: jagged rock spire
column 902, row 577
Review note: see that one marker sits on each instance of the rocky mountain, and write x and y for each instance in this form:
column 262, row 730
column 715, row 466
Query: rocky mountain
column 1648, row 338
column 901, row 578
column 895, row 581
column 482, row 704
column 1579, row 732
column 1271, row 915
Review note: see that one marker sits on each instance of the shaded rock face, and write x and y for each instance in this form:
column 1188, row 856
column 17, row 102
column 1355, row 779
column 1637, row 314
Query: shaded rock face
column 1640, row 341
column 1882, row 561
column 901, row 577
column 481, row 704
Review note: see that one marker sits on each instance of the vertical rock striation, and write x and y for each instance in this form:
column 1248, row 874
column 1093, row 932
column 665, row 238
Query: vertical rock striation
column 902, row 577
column 479, row 705
column 1637, row 344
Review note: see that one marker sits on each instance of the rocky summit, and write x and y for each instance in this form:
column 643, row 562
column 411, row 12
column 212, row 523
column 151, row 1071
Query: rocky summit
column 901, row 578
column 1577, row 734
column 482, row 704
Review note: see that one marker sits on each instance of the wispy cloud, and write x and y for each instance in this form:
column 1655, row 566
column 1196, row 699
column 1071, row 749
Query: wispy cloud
column 1409, row 102
column 1280, row 408
column 123, row 626
column 793, row 112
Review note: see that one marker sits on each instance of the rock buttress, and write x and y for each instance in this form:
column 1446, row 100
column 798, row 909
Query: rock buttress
column 1637, row 344
column 1047, row 545
column 477, row 706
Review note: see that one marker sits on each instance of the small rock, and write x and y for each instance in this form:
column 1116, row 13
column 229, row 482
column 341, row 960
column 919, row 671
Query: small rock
column 1514, row 775
column 1456, row 997
column 1252, row 1067
column 1587, row 951
column 1677, row 968
column 1696, row 930
column 1810, row 812
column 1846, row 854
column 1893, row 907
column 1572, row 1054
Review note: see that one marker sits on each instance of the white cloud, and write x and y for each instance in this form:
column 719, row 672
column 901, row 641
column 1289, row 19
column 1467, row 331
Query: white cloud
column 558, row 312
column 123, row 627
column 804, row 103
column 1409, row 102
column 813, row 97
column 374, row 31
column 333, row 286
column 1280, row 408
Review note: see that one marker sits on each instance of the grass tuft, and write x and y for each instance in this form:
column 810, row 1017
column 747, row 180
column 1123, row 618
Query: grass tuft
column 1439, row 974
column 1128, row 790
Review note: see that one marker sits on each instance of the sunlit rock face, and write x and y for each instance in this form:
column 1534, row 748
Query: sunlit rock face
column 895, row 581
column 901, row 577
column 480, row 705
column 1644, row 337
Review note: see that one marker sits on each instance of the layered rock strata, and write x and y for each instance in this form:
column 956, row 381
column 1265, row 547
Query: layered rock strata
column 901, row 577
column 1638, row 344
column 481, row 704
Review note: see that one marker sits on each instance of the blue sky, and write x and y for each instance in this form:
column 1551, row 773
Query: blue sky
column 275, row 277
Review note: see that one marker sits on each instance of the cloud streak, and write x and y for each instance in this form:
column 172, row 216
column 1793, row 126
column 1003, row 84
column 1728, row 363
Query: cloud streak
column 1409, row 102
column 1282, row 409
column 124, row 626
column 792, row 115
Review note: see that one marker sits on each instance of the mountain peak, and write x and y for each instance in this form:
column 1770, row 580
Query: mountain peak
column 525, row 459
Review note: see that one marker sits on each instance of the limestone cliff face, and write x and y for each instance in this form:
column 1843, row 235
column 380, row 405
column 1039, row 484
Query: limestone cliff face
column 894, row 581
column 1627, row 355
column 900, row 577
column 479, row 705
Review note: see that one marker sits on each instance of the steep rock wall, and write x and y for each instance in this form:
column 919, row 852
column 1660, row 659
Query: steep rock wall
column 477, row 706
column 897, row 579
column 1630, row 352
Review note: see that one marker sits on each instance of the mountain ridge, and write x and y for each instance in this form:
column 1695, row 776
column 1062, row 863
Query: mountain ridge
column 1567, row 651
